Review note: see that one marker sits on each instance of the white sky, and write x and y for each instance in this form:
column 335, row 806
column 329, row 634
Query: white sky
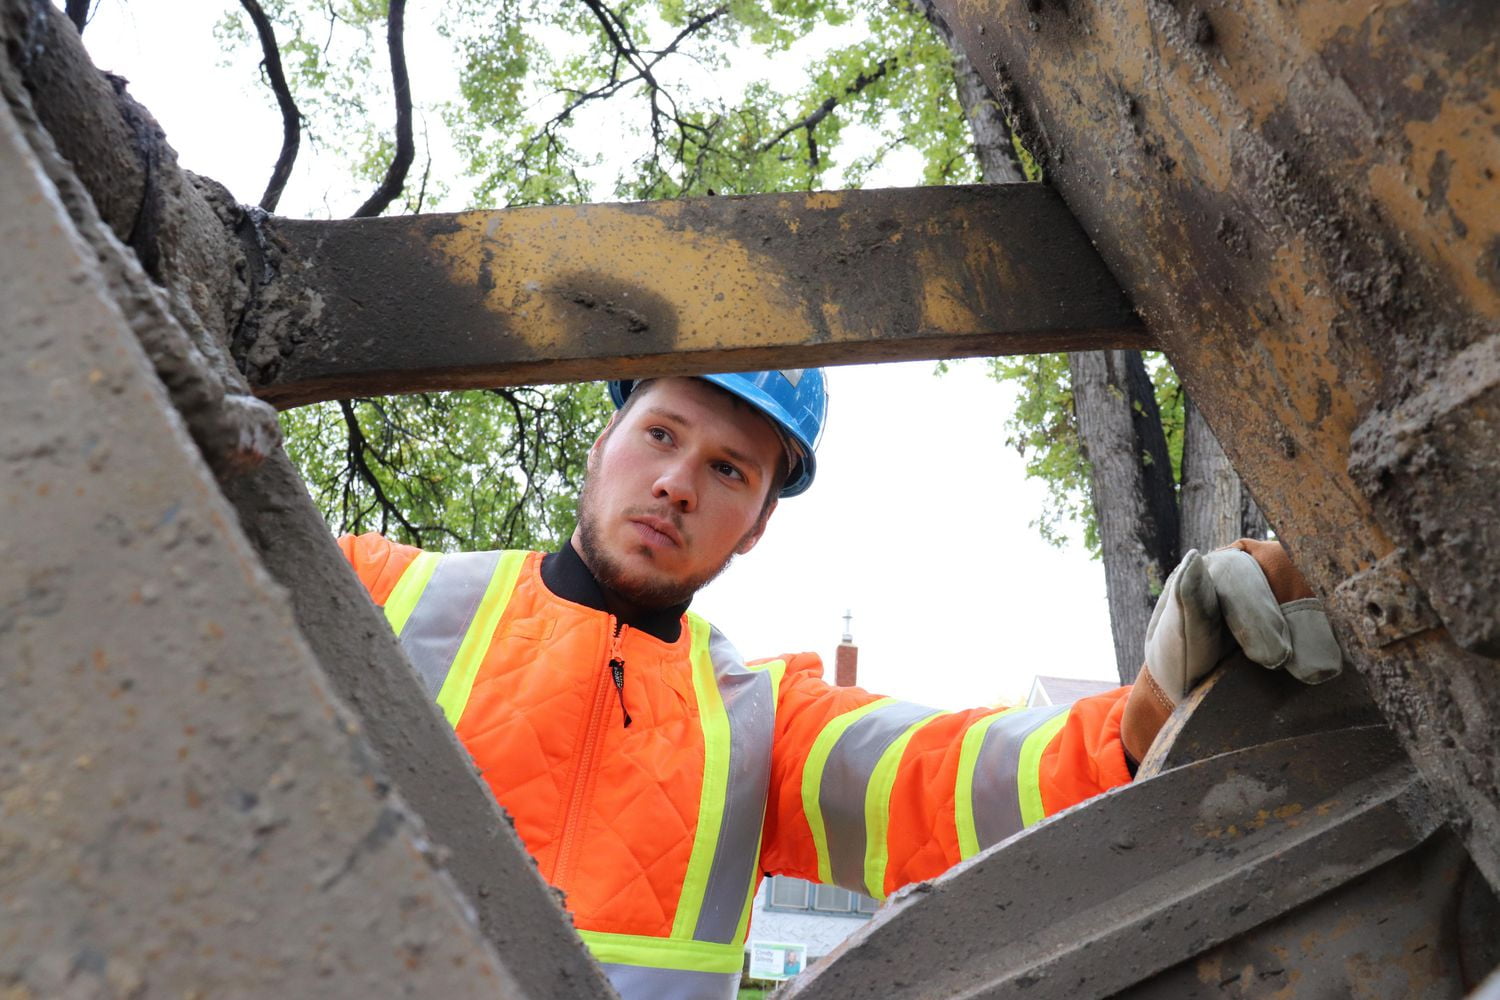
column 918, row 522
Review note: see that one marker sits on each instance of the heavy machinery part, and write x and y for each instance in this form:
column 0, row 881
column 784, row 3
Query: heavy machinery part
column 367, row 306
column 178, row 315
column 1310, row 866
column 1242, row 703
column 184, row 803
column 1300, row 200
column 184, row 806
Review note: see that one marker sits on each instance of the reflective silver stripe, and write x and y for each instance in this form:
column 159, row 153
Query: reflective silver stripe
column 846, row 777
column 437, row 625
column 645, row 982
column 749, row 702
column 997, row 800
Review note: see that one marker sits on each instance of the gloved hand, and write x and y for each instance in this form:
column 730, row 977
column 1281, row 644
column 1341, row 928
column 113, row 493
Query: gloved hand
column 1232, row 592
column 1248, row 594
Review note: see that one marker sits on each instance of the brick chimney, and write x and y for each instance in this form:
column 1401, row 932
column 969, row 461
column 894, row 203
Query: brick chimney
column 846, row 659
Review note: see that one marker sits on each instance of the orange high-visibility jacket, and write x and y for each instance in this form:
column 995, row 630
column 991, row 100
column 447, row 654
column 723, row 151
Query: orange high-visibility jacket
column 658, row 831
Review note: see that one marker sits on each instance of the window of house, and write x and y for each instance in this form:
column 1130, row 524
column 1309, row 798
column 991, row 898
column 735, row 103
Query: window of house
column 788, row 893
column 796, row 895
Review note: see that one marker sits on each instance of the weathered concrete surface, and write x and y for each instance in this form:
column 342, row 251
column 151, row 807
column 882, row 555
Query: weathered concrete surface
column 1241, row 704
column 364, row 664
column 1300, row 200
column 185, row 808
column 183, row 323
column 1276, row 863
column 575, row 292
column 128, row 177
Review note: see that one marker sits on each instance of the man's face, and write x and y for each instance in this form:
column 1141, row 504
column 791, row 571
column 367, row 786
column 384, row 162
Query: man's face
column 676, row 487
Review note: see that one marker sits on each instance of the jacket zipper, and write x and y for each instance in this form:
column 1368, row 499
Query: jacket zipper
column 583, row 777
column 617, row 670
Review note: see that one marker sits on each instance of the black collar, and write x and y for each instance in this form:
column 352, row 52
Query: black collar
column 566, row 575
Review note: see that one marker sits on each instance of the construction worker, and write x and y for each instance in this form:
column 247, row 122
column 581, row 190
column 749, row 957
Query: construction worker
column 654, row 775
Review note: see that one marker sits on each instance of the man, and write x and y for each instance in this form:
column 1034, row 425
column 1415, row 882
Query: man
column 652, row 773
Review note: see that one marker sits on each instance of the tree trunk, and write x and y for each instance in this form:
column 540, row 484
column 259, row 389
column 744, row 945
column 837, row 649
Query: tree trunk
column 1130, row 476
column 993, row 146
column 1119, row 427
column 1211, row 508
column 1216, row 506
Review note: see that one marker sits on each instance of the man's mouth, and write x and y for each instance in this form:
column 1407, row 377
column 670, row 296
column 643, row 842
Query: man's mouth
column 657, row 532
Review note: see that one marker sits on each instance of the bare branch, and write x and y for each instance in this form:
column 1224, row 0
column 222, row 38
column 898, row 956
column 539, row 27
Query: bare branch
column 625, row 50
column 291, row 118
column 359, row 448
column 395, row 176
column 426, row 170
column 823, row 110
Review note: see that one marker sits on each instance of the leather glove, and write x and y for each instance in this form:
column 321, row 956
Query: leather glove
column 1247, row 595
column 1226, row 598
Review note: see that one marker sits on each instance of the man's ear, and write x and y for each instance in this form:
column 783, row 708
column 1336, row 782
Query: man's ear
column 604, row 434
column 748, row 542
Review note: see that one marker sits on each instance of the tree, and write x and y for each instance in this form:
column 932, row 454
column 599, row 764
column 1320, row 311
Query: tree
column 1123, row 452
column 533, row 81
column 1129, row 462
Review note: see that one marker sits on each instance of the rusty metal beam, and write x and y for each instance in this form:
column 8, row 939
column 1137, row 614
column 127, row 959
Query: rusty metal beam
column 594, row 291
column 1300, row 200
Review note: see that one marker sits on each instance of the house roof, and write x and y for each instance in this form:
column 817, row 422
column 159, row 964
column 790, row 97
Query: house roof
column 1047, row 690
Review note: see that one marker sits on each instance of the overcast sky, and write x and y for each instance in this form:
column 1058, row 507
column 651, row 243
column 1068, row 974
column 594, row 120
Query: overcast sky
column 918, row 522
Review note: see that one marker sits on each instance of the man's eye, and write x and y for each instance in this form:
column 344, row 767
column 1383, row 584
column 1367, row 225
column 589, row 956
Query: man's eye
column 660, row 434
column 728, row 471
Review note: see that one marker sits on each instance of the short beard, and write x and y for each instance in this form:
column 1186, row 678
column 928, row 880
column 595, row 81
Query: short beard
column 656, row 594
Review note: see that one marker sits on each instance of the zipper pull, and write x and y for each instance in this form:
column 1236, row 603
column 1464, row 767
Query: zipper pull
column 617, row 671
column 617, row 663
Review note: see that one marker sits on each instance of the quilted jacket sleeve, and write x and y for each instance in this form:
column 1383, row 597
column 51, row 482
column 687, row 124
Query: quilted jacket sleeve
column 378, row 561
column 872, row 793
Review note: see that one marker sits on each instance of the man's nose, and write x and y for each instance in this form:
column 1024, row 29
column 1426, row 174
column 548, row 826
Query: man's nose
column 675, row 485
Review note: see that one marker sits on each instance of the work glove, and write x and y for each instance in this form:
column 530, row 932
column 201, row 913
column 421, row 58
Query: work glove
column 1247, row 595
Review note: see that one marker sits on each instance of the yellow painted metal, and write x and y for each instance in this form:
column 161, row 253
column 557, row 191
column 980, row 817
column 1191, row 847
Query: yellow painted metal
column 592, row 291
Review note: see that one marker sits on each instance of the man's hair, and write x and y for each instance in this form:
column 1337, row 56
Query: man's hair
column 783, row 458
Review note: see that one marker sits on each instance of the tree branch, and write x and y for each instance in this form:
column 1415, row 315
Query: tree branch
column 291, row 118
column 823, row 110
column 617, row 33
column 358, row 445
column 395, row 175
column 993, row 145
column 78, row 12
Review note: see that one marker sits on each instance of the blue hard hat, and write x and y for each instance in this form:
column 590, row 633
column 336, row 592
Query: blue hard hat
column 795, row 399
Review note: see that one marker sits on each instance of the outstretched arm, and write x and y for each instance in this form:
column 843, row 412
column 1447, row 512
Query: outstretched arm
column 872, row 793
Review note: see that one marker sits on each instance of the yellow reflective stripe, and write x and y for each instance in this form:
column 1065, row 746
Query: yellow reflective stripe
column 963, row 789
column 1028, row 780
column 715, row 722
column 408, row 590
column 777, row 670
column 664, row 953
column 878, row 808
column 454, row 694
column 812, row 779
